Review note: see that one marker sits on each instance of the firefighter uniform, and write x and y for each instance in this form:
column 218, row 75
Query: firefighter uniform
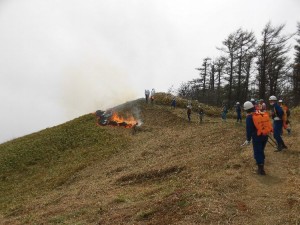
column 259, row 142
column 277, row 125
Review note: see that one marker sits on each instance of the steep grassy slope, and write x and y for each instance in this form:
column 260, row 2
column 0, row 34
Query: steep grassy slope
column 36, row 164
column 170, row 172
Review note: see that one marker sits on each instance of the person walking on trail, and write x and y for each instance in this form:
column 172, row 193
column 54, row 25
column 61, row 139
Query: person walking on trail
column 286, row 115
column 201, row 113
column 277, row 115
column 238, row 110
column 147, row 93
column 173, row 103
column 259, row 141
column 189, row 112
column 224, row 112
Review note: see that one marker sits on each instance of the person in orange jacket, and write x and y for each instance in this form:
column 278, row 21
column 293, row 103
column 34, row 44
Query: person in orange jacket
column 259, row 141
column 286, row 116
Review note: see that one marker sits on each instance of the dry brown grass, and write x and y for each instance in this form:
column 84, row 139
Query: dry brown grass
column 151, row 175
column 175, row 172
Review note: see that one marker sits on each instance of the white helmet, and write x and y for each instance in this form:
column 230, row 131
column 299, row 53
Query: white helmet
column 237, row 103
column 280, row 101
column 252, row 100
column 272, row 98
column 248, row 105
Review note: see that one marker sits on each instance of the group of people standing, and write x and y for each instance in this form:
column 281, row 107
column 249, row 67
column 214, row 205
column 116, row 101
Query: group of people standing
column 149, row 95
column 257, row 129
column 259, row 105
column 189, row 107
column 279, row 114
column 200, row 111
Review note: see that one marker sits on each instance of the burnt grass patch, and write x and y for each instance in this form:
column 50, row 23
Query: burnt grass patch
column 136, row 178
column 169, row 209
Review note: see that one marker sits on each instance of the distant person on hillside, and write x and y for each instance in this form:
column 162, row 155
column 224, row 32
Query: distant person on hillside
column 238, row 110
column 173, row 103
column 152, row 95
column 200, row 112
column 224, row 112
column 189, row 112
column 147, row 93
column 259, row 141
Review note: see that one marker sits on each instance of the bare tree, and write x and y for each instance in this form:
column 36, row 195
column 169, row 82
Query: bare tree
column 212, row 77
column 271, row 59
column 234, row 75
column 296, row 69
column 248, row 68
column 246, row 47
column 184, row 90
column 230, row 49
column 220, row 63
column 203, row 73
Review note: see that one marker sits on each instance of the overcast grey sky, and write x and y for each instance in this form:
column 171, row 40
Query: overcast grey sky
column 60, row 59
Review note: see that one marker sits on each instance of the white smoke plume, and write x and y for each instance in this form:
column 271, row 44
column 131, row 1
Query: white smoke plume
column 137, row 114
column 95, row 85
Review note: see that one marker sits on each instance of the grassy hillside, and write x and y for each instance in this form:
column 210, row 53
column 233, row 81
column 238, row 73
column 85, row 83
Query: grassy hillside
column 170, row 172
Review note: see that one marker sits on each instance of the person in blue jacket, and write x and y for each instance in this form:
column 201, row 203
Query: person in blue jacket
column 259, row 142
column 277, row 114
column 173, row 103
column 238, row 110
column 224, row 112
column 189, row 111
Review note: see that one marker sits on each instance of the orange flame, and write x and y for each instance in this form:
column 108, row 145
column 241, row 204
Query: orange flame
column 130, row 120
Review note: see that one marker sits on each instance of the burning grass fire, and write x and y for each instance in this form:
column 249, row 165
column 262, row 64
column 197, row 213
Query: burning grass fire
column 115, row 119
